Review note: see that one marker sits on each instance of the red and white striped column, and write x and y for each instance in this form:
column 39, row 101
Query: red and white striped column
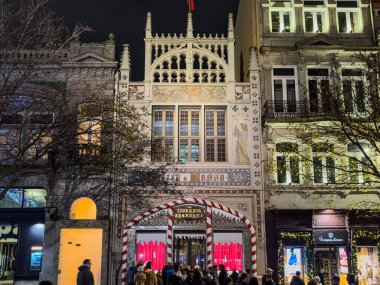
column 209, row 236
column 170, row 236
column 124, row 257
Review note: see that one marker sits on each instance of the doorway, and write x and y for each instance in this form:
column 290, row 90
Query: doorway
column 190, row 249
column 75, row 246
column 329, row 261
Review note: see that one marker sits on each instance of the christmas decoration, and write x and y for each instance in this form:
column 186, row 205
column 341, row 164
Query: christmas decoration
column 305, row 237
column 356, row 235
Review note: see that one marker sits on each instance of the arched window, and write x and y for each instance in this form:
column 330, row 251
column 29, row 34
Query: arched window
column 83, row 209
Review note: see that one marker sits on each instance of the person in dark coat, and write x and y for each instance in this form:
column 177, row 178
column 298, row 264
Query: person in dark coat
column 297, row 280
column 234, row 276
column 222, row 275
column 215, row 274
column 132, row 270
column 174, row 278
column 252, row 278
column 85, row 276
column 267, row 278
column 197, row 278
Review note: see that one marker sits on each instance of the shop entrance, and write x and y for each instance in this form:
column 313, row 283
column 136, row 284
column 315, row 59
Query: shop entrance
column 75, row 246
column 329, row 261
column 190, row 248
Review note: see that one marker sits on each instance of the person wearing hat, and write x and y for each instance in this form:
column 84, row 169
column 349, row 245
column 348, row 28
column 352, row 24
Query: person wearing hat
column 267, row 278
column 297, row 280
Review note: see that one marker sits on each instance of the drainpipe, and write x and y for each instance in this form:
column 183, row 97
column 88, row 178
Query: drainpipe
column 372, row 22
column 258, row 31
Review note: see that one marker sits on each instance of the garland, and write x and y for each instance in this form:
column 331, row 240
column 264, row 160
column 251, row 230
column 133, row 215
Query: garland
column 308, row 239
column 375, row 235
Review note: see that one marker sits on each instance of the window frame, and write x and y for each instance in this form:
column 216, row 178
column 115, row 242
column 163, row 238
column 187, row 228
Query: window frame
column 163, row 137
column 357, row 156
column 23, row 191
column 281, row 11
column 346, row 11
column 314, row 11
column 190, row 137
column 288, row 169
column 216, row 137
column 323, row 155
column 353, row 80
column 280, row 106
column 320, row 106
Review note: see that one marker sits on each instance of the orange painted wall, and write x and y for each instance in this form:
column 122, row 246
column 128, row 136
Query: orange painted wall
column 83, row 209
column 75, row 246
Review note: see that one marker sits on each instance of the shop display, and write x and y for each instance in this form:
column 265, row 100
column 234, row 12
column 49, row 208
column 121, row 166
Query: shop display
column 152, row 251
column 293, row 262
column 228, row 254
column 8, row 249
column 368, row 265
column 305, row 258
column 343, row 261
column 151, row 246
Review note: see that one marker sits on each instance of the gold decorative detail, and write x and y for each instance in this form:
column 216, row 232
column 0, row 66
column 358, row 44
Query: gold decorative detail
column 188, row 94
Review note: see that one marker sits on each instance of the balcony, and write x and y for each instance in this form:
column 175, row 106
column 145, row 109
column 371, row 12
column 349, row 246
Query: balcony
column 274, row 109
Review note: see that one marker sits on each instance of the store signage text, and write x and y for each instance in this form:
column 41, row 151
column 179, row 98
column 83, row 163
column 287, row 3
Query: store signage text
column 8, row 231
column 188, row 213
column 332, row 237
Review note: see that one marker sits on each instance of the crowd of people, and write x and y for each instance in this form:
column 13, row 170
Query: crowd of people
column 318, row 280
column 178, row 275
column 143, row 274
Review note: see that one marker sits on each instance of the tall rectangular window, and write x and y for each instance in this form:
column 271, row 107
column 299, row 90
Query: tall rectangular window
column 215, row 135
column 319, row 90
column 353, row 90
column 287, row 163
column 163, row 135
column 315, row 12
column 284, row 89
column 358, row 165
column 349, row 16
column 281, row 13
column 324, row 166
column 189, row 135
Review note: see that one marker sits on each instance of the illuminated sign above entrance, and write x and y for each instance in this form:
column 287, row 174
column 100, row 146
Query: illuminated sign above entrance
column 189, row 213
column 330, row 237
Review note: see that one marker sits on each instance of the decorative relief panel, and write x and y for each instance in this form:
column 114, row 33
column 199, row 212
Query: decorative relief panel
column 189, row 94
column 242, row 92
column 211, row 177
column 222, row 222
column 136, row 92
column 240, row 132
column 158, row 219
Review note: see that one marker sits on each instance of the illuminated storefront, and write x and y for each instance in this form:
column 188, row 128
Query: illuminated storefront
column 193, row 235
column 323, row 243
column 22, row 219
column 365, row 256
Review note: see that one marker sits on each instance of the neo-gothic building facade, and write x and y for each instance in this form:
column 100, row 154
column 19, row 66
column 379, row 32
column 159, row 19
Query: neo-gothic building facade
column 241, row 196
column 208, row 125
column 296, row 43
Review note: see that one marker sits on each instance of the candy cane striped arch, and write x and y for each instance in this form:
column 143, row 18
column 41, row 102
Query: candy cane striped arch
column 170, row 206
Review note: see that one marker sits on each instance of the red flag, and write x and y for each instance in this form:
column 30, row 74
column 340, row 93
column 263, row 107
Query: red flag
column 191, row 5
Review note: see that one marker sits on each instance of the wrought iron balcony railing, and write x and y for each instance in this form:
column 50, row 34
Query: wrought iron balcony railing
column 278, row 109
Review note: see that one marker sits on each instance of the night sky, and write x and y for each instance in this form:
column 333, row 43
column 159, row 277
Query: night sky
column 126, row 19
